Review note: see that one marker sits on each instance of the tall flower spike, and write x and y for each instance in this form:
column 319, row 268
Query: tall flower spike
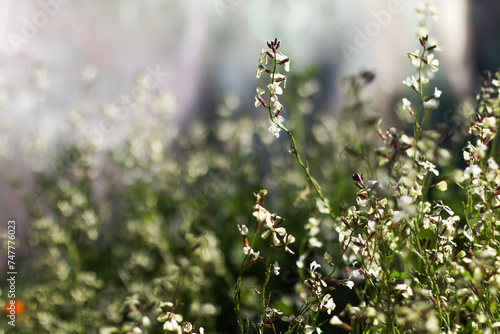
column 274, row 88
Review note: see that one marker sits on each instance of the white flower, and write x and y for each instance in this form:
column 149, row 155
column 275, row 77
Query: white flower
column 327, row 303
column 280, row 57
column 431, row 104
column 490, row 122
column 243, row 229
column 261, row 214
column 314, row 265
column 277, row 107
column 356, row 273
column 275, row 129
column 278, row 77
column 406, row 104
column 315, row 243
column 289, row 239
column 371, row 226
column 473, row 170
column 437, row 93
column 274, row 231
column 429, row 166
column 335, row 321
column 172, row 324
column 311, row 330
column 260, row 91
column 349, row 284
column 276, row 268
column 481, row 149
column 275, row 88
column 271, row 312
column 260, row 70
column 286, row 318
column 187, row 327
column 442, row 186
column 433, row 63
column 323, row 207
column 405, row 289
column 263, row 59
column 279, row 119
column 300, row 261
column 247, row 250
column 287, row 66
column 466, row 156
column 313, row 226
column 411, row 82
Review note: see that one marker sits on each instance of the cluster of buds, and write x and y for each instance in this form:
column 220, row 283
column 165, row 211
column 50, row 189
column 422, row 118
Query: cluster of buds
column 275, row 107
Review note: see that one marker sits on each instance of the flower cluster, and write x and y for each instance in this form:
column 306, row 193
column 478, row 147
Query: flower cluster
column 275, row 107
column 427, row 64
column 172, row 322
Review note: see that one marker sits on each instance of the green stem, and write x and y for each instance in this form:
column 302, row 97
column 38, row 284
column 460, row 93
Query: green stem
column 305, row 166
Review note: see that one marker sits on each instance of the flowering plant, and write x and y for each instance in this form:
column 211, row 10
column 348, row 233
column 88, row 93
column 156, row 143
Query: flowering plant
column 403, row 237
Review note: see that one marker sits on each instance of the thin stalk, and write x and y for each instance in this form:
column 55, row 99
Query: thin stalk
column 419, row 126
column 294, row 150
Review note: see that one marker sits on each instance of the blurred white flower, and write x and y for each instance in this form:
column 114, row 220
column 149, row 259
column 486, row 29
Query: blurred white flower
column 349, row 284
column 276, row 268
column 275, row 129
column 405, row 289
column 327, row 303
column 315, row 243
column 261, row 214
column 411, row 82
column 442, row 186
column 473, row 170
column 275, row 88
column 407, row 105
column 172, row 324
column 311, row 330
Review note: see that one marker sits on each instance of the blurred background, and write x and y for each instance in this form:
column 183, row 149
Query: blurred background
column 58, row 56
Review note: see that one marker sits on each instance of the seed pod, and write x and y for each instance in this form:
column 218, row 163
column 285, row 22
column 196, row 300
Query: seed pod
column 261, row 100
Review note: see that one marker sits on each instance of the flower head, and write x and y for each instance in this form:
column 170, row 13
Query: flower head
column 437, row 93
column 314, row 265
column 407, row 105
column 273, row 230
column 258, row 99
column 275, row 129
column 276, row 268
column 289, row 239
